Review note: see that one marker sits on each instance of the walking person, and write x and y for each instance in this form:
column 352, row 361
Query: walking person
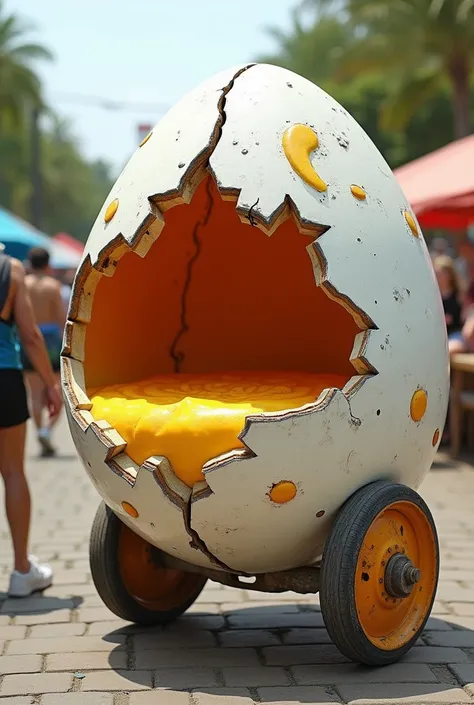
column 50, row 316
column 16, row 314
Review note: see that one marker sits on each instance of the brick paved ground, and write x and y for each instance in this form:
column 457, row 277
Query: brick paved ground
column 233, row 647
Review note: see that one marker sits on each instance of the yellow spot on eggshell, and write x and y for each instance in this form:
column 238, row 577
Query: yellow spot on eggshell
column 111, row 210
column 358, row 192
column 419, row 402
column 283, row 491
column 435, row 437
column 411, row 224
column 298, row 143
column 130, row 509
column 145, row 139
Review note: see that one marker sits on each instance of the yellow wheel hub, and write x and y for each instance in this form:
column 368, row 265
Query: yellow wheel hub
column 396, row 575
column 155, row 588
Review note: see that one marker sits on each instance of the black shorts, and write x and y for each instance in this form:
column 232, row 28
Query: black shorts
column 13, row 404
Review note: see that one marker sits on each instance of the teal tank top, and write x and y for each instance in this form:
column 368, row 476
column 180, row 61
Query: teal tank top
column 9, row 345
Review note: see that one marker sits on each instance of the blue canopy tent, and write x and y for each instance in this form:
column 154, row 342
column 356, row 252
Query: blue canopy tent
column 19, row 237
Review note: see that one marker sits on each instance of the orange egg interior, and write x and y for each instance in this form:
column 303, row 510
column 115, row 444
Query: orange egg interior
column 259, row 335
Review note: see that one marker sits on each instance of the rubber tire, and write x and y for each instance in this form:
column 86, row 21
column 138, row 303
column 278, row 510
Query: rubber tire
column 338, row 568
column 104, row 564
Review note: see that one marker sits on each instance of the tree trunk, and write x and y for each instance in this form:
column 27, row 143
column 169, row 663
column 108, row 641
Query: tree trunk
column 459, row 74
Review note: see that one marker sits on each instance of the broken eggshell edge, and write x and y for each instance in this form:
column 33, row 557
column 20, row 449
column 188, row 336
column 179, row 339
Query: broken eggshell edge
column 332, row 448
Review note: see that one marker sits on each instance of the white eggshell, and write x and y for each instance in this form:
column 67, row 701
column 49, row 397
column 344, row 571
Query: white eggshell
column 372, row 261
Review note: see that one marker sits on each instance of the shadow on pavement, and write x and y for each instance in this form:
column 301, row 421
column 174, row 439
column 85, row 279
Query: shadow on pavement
column 286, row 648
column 37, row 603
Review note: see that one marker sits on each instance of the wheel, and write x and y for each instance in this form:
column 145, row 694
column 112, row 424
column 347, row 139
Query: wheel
column 379, row 573
column 129, row 580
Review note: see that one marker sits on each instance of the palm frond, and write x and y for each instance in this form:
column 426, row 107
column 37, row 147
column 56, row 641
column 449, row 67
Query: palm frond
column 410, row 95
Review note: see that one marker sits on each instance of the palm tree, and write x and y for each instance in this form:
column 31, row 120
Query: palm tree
column 421, row 46
column 19, row 84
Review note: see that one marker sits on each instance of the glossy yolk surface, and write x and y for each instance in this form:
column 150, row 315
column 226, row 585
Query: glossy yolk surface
column 192, row 418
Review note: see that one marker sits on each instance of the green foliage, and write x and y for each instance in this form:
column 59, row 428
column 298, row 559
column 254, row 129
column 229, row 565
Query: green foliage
column 420, row 46
column 72, row 188
column 383, row 61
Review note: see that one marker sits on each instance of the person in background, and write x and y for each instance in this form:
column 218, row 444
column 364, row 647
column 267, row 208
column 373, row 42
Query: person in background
column 16, row 314
column 66, row 288
column 439, row 247
column 463, row 342
column 48, row 307
column 450, row 289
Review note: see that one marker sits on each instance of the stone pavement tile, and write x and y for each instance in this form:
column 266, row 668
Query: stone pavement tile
column 255, row 676
column 459, row 621
column 77, row 699
column 203, row 621
column 204, row 609
column 36, row 683
column 463, row 672
column 259, row 608
column 12, row 632
column 196, row 658
column 65, row 592
column 74, row 555
column 161, row 696
column 219, row 596
column 435, row 654
column 248, row 637
column 71, row 577
column 271, row 620
column 435, row 624
column 295, row 696
column 173, row 639
column 4, row 620
column 117, row 680
column 91, row 601
column 117, row 626
column 35, row 604
column 402, row 693
column 56, row 645
column 306, row 636
column 450, row 591
column 294, row 597
column 50, row 630
column 353, row 673
column 186, row 678
column 463, row 639
column 95, row 660
column 463, row 608
column 44, row 617
column 224, row 696
column 20, row 664
column 296, row 655
column 457, row 575
column 20, row 700
column 95, row 614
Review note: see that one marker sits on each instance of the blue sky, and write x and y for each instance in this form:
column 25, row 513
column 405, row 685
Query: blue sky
column 142, row 51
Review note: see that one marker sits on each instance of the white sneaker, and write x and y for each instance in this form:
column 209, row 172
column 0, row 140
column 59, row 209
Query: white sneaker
column 44, row 439
column 39, row 577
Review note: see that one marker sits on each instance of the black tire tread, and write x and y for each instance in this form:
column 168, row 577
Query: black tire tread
column 337, row 592
column 103, row 559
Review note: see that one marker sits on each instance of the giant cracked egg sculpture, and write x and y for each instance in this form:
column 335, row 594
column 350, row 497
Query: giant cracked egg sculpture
column 255, row 330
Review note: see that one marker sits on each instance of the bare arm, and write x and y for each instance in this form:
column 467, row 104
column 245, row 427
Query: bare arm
column 29, row 333
column 57, row 305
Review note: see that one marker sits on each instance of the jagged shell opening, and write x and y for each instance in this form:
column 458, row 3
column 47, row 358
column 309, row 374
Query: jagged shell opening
column 213, row 297
column 249, row 302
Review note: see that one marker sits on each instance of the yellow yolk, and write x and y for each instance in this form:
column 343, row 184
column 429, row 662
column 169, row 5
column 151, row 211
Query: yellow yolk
column 192, row 418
